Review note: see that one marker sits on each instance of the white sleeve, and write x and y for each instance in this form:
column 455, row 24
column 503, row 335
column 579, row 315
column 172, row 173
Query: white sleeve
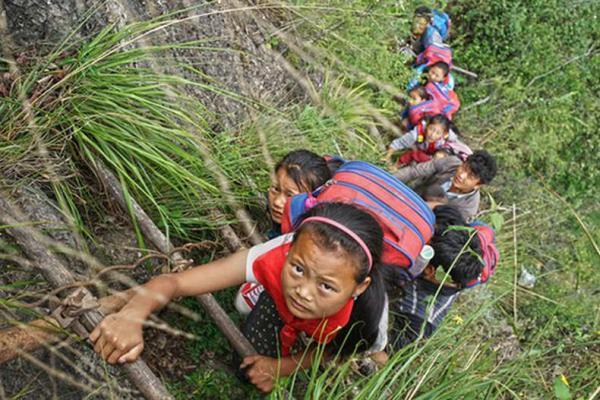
column 382, row 331
column 260, row 249
column 405, row 141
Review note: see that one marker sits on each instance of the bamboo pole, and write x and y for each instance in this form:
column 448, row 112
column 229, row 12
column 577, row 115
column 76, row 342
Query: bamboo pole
column 33, row 244
column 464, row 72
column 240, row 343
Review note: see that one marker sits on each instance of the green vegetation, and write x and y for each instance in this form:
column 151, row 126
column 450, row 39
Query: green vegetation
column 535, row 106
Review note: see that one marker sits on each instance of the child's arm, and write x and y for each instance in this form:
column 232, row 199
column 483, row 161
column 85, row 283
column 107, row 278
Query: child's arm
column 119, row 336
column 263, row 371
column 388, row 155
column 404, row 142
column 417, row 71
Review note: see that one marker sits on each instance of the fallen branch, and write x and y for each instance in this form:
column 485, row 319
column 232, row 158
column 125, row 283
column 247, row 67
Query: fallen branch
column 587, row 53
column 54, row 271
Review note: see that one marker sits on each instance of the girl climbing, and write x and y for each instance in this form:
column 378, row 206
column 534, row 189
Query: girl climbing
column 321, row 281
column 432, row 137
column 298, row 171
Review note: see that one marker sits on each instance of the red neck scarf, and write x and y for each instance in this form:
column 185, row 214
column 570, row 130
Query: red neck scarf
column 267, row 269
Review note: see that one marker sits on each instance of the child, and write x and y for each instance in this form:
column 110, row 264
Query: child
column 467, row 264
column 421, row 105
column 468, row 256
column 298, row 171
column 321, row 281
column 440, row 73
column 432, row 55
column 432, row 137
column 461, row 179
column 429, row 27
column 440, row 85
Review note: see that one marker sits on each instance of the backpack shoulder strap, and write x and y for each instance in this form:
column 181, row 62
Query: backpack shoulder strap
column 421, row 131
column 294, row 207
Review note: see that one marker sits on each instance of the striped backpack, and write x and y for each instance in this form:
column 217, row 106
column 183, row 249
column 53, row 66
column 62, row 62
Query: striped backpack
column 435, row 53
column 446, row 98
column 406, row 220
column 417, row 113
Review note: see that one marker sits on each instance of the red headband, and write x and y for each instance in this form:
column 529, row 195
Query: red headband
column 347, row 231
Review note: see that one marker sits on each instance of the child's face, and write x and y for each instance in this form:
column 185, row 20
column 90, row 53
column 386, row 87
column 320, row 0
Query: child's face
column 419, row 25
column 464, row 181
column 282, row 187
column 436, row 74
column 317, row 283
column 434, row 133
column 414, row 98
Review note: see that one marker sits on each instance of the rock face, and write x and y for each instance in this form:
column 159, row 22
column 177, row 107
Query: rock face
column 233, row 32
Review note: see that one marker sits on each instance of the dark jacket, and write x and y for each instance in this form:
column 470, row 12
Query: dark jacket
column 438, row 172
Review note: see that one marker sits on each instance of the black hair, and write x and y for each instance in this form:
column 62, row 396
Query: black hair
column 423, row 11
column 448, row 243
column 307, row 169
column 334, row 163
column 421, row 91
column 483, row 165
column 442, row 65
column 439, row 119
column 362, row 329
column 433, row 192
column 455, row 129
column 447, row 215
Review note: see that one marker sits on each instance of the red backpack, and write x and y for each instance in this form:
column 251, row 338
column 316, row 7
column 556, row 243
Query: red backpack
column 490, row 254
column 446, row 98
column 427, row 108
column 435, row 53
column 406, row 220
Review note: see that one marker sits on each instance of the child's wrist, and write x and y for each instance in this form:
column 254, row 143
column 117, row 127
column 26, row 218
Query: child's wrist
column 135, row 312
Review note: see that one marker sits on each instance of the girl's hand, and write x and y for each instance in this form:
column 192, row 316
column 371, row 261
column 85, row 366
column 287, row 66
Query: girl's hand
column 118, row 338
column 261, row 371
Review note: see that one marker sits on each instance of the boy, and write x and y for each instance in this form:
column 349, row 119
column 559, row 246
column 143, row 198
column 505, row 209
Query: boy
column 461, row 180
column 440, row 73
column 424, row 34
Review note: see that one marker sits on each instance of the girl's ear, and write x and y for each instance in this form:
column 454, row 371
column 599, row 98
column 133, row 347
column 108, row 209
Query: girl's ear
column 360, row 289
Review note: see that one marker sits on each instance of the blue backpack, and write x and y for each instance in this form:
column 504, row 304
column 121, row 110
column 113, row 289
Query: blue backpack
column 441, row 22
